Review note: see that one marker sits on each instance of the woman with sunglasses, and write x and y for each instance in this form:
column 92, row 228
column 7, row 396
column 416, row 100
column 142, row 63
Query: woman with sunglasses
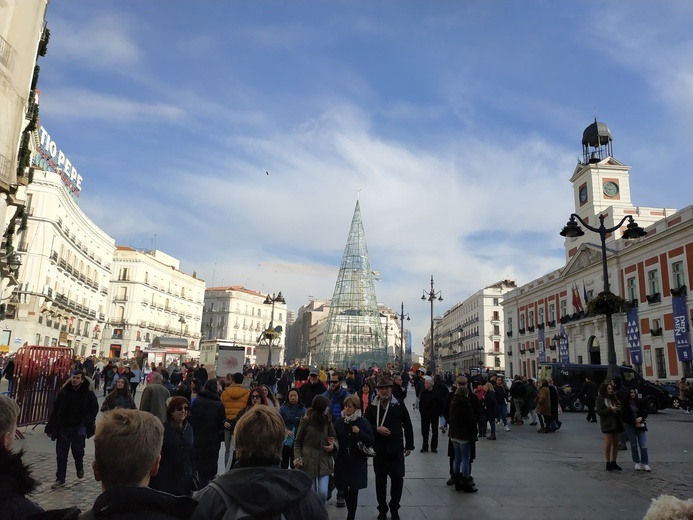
column 177, row 465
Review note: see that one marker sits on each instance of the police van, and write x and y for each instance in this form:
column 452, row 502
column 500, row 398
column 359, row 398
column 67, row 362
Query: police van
column 568, row 379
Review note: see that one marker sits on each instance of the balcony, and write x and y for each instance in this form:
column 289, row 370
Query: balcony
column 530, row 328
column 656, row 332
column 102, row 317
column 23, row 247
column 120, row 298
column 54, row 256
column 680, row 291
column 117, row 336
column 654, row 298
column 145, row 302
column 552, row 323
column 104, row 291
column 61, row 263
column 509, row 333
column 521, row 331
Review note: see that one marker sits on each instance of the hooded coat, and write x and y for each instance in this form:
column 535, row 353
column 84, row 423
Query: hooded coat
column 136, row 503
column 309, row 446
column 263, row 492
column 15, row 483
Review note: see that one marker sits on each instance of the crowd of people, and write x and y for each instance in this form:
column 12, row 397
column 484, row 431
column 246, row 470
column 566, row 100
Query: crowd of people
column 299, row 436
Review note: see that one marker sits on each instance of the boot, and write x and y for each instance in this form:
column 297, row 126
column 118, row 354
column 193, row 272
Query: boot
column 457, row 480
column 608, row 466
column 450, row 481
column 468, row 485
column 616, row 466
column 492, row 437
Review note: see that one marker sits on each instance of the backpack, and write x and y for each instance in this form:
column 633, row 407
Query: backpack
column 233, row 510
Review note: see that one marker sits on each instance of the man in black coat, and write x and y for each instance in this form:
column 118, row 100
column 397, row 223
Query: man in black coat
column 207, row 416
column 431, row 401
column 394, row 440
column 312, row 388
column 589, row 397
column 72, row 420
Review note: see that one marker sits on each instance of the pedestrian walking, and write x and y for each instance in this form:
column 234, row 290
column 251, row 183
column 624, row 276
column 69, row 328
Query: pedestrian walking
column 315, row 441
column 291, row 411
column 589, row 394
column 463, row 430
column 394, row 440
column 351, row 464
column 234, row 398
column 72, row 421
column 502, row 401
column 517, row 394
column 543, row 408
column 154, row 397
column 207, row 416
column 431, row 401
column 119, row 397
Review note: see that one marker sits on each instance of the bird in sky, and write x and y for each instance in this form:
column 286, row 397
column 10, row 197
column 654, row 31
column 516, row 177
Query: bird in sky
column 266, row 172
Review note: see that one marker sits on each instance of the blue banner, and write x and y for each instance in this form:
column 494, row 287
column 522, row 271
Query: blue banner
column 563, row 355
column 683, row 346
column 633, row 333
column 542, row 347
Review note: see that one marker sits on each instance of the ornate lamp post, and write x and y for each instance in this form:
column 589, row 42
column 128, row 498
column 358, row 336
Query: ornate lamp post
column 431, row 296
column 272, row 332
column 573, row 230
column 401, row 317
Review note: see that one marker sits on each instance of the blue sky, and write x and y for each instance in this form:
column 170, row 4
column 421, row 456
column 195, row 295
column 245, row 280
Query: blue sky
column 461, row 122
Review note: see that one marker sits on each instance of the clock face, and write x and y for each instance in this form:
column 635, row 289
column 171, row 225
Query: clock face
column 583, row 194
column 610, row 189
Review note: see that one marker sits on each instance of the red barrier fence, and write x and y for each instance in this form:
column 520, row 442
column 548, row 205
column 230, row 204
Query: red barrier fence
column 39, row 373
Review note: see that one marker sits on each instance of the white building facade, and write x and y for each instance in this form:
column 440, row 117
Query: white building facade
column 151, row 297
column 550, row 312
column 237, row 314
column 61, row 297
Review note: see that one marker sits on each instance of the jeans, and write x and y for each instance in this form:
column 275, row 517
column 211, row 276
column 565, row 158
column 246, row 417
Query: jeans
column 321, row 485
column 637, row 437
column 504, row 413
column 70, row 438
column 461, row 461
column 228, row 446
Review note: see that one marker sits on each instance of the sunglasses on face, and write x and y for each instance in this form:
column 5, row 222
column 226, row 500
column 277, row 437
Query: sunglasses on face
column 182, row 409
column 334, row 382
column 255, row 396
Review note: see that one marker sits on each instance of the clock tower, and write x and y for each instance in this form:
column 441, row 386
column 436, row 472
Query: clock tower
column 601, row 184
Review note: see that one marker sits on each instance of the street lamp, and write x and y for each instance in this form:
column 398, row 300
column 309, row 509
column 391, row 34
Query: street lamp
column 573, row 230
column 431, row 297
column 182, row 322
column 401, row 317
column 272, row 332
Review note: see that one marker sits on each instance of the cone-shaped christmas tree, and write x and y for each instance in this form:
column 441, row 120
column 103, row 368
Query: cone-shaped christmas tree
column 354, row 334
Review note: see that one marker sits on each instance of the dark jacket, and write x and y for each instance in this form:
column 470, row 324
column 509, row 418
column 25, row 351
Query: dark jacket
column 137, row 503
column 292, row 414
column 73, row 408
column 202, row 375
column 431, row 401
column 263, row 492
column 517, row 390
column 397, row 421
column 176, row 466
column 308, row 392
column 627, row 411
column 462, row 422
column 207, row 418
column 15, row 483
column 351, row 464
column 610, row 420
column 589, row 391
column 501, row 394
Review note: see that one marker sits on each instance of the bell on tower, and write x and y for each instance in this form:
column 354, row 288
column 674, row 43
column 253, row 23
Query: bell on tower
column 596, row 143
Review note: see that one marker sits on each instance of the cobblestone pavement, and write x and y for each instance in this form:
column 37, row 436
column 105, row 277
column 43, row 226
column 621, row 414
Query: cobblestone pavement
column 521, row 475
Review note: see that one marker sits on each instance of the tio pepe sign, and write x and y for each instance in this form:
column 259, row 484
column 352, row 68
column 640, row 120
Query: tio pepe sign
column 52, row 158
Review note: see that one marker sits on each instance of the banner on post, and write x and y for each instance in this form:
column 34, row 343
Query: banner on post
column 633, row 333
column 683, row 345
column 563, row 355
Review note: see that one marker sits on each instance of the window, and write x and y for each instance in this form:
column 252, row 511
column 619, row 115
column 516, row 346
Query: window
column 496, row 330
column 531, row 318
column 677, row 274
column 552, row 311
column 541, row 315
column 564, row 308
column 496, row 346
column 631, row 289
column 661, row 364
column 496, row 301
column 522, row 321
column 653, row 281
column 510, row 324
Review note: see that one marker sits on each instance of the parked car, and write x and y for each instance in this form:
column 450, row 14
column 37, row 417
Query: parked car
column 674, row 394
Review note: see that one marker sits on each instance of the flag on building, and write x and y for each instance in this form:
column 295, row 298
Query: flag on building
column 577, row 304
column 584, row 292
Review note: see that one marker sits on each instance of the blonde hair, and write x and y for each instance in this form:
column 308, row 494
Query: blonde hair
column 667, row 507
column 126, row 445
column 9, row 411
column 353, row 400
column 260, row 433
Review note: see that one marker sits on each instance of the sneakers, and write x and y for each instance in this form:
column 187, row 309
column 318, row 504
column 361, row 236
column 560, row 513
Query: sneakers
column 638, row 467
column 58, row 484
column 80, row 473
column 647, row 468
column 507, row 428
